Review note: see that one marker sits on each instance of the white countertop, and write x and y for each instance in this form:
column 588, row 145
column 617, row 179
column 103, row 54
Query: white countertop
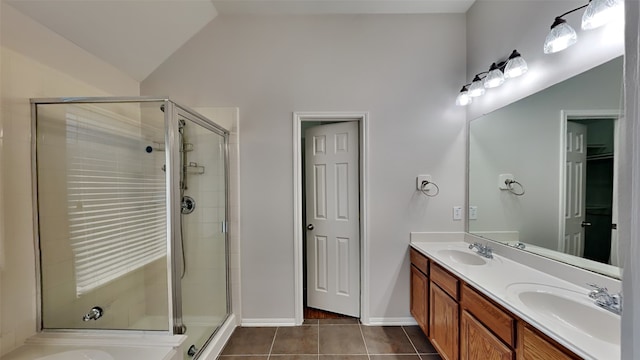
column 494, row 279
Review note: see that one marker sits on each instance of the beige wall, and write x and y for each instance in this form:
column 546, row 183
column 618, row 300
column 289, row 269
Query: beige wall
column 405, row 70
column 35, row 63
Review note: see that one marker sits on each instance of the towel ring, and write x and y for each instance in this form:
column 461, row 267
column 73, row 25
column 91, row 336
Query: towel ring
column 509, row 183
column 424, row 187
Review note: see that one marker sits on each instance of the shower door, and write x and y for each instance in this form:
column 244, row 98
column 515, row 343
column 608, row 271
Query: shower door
column 201, row 255
column 101, row 215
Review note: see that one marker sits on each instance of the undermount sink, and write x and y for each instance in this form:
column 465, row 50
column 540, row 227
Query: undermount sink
column 462, row 257
column 571, row 310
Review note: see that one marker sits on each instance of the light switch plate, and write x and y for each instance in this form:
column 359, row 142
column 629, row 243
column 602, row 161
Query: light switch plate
column 457, row 213
column 473, row 213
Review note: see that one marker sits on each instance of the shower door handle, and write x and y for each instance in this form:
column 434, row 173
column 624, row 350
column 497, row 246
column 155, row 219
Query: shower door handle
column 310, row 227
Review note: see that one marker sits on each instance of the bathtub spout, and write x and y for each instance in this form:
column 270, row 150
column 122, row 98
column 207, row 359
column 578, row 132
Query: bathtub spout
column 94, row 314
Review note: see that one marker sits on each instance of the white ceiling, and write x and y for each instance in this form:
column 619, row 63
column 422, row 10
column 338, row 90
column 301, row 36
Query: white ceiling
column 136, row 36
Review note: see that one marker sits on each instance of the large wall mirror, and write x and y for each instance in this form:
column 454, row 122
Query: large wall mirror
column 542, row 171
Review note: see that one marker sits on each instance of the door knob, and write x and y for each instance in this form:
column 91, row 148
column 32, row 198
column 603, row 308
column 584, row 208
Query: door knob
column 585, row 224
column 310, row 227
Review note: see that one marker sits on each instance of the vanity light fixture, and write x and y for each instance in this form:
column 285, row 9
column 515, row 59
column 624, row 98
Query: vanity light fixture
column 598, row 13
column 513, row 67
column 494, row 78
column 464, row 98
column 477, row 87
column 601, row 12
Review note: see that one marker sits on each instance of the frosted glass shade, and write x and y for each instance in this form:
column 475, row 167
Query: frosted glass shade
column 560, row 37
column 601, row 12
column 494, row 78
column 463, row 98
column 515, row 67
column 477, row 87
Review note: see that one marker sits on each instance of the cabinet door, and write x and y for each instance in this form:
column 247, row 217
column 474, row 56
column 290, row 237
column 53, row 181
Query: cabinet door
column 420, row 298
column 478, row 343
column 443, row 323
column 534, row 347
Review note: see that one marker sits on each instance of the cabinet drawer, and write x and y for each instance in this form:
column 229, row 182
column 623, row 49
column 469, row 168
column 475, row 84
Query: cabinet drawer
column 493, row 317
column 420, row 261
column 444, row 279
column 536, row 347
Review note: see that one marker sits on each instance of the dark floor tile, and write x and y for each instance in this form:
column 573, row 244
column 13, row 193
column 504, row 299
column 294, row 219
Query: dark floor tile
column 430, row 357
column 387, row 340
column 250, row 341
column 296, row 340
column 419, row 340
column 293, row 357
column 344, row 357
column 341, row 340
column 341, row 321
column 243, row 357
column 310, row 322
column 395, row 357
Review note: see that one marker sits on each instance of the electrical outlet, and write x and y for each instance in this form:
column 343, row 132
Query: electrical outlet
column 457, row 213
column 473, row 213
column 420, row 179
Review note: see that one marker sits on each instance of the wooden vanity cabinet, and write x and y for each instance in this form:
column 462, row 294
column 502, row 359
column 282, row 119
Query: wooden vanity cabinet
column 444, row 312
column 420, row 290
column 486, row 330
column 536, row 346
column 463, row 324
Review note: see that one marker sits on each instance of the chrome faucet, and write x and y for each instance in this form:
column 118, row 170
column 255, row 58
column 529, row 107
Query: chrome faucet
column 94, row 314
column 483, row 250
column 611, row 302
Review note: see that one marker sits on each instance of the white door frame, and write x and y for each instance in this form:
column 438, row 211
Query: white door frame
column 566, row 115
column 298, row 118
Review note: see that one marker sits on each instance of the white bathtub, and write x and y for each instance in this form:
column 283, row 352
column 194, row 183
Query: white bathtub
column 56, row 352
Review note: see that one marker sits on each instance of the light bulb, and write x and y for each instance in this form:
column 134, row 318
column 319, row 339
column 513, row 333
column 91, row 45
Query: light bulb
column 516, row 66
column 477, row 87
column 494, row 78
column 560, row 37
column 601, row 12
column 463, row 98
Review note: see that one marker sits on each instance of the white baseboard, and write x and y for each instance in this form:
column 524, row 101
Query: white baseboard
column 269, row 322
column 214, row 348
column 389, row 321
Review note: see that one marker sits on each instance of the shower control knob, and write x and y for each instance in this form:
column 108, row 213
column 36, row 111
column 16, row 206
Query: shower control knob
column 310, row 227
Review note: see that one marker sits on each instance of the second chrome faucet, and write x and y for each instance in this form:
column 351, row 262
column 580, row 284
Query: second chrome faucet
column 483, row 250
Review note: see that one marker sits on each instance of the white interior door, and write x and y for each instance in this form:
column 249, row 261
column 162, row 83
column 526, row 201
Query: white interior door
column 333, row 228
column 615, row 257
column 575, row 189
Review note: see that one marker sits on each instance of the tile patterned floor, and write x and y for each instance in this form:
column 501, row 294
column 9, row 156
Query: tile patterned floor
column 329, row 339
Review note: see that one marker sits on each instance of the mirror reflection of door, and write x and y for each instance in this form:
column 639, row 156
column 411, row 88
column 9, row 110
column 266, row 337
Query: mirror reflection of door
column 590, row 217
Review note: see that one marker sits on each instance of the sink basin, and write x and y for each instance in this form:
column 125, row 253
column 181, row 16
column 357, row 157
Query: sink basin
column 570, row 310
column 462, row 257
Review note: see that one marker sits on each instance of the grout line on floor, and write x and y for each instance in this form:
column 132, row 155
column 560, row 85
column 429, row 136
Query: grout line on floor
column 411, row 341
column 366, row 348
column 273, row 342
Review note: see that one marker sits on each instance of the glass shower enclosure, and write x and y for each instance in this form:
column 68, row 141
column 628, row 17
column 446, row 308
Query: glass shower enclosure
column 131, row 204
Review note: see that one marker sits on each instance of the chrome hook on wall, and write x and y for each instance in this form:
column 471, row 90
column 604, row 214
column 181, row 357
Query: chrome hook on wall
column 429, row 188
column 509, row 183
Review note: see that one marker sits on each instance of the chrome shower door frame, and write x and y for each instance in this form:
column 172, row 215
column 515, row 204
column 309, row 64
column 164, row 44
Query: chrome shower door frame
column 173, row 219
column 175, row 196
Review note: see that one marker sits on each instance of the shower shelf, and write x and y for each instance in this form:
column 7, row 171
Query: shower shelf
column 192, row 168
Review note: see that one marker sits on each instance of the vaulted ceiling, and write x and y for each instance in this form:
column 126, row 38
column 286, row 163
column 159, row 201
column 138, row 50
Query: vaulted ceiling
column 136, row 36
